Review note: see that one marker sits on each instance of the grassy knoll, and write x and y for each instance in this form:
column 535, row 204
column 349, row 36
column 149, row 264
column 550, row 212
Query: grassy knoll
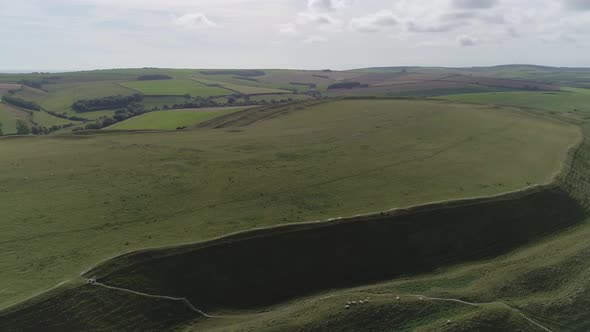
column 62, row 96
column 30, row 94
column 171, row 119
column 129, row 191
column 176, row 87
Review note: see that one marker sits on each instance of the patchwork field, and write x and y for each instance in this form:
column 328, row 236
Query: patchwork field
column 62, row 96
column 175, row 87
column 332, row 159
column 172, row 119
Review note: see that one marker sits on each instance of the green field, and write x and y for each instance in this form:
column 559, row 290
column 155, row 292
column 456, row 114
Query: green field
column 8, row 119
column 128, row 191
column 244, row 89
column 177, row 87
column 567, row 100
column 172, row 119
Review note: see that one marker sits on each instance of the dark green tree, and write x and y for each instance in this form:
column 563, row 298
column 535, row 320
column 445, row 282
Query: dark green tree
column 22, row 128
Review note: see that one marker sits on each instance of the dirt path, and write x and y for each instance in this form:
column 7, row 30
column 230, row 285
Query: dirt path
column 186, row 302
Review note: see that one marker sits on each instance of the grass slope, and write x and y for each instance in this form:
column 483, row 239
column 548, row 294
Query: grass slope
column 177, row 87
column 171, row 119
column 130, row 191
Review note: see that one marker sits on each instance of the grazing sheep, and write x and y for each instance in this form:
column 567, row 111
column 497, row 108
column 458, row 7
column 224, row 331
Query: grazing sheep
column 347, row 307
column 397, row 298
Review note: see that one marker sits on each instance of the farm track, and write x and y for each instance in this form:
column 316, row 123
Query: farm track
column 187, row 303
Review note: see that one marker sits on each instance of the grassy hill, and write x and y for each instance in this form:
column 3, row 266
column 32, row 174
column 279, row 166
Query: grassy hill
column 130, row 191
column 539, row 286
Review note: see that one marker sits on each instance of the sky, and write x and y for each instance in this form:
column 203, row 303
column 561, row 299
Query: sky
column 305, row 34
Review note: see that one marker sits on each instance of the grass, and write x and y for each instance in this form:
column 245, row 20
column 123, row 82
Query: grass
column 45, row 119
column 160, row 102
column 162, row 120
column 244, row 89
column 176, row 87
column 129, row 191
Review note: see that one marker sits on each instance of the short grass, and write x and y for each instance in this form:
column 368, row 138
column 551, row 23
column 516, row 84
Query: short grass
column 69, row 202
column 62, row 96
column 176, row 87
column 30, row 94
column 162, row 120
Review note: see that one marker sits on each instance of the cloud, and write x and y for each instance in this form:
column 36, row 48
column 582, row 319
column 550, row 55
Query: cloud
column 193, row 21
column 288, row 29
column 581, row 5
column 474, row 4
column 316, row 18
column 374, row 22
column 326, row 5
column 314, row 39
column 466, row 40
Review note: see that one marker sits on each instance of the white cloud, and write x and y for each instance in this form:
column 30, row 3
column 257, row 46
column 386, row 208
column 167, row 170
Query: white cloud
column 288, row 29
column 326, row 5
column 374, row 22
column 193, row 21
column 314, row 39
column 465, row 40
column 316, row 18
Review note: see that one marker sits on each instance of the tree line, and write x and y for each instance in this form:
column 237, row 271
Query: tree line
column 106, row 103
column 153, row 77
column 15, row 101
column 347, row 85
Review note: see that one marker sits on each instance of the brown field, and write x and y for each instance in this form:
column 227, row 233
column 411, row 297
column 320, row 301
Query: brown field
column 5, row 87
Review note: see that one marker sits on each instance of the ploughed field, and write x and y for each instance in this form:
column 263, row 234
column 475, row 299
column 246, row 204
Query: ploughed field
column 69, row 202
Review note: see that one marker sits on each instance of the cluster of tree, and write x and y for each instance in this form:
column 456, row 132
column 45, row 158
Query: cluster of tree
column 320, row 76
column 14, row 101
column 236, row 72
column 246, row 78
column 153, row 77
column 122, row 114
column 310, row 85
column 106, row 103
column 234, row 100
column 37, row 83
column 347, row 85
column 66, row 116
column 22, row 128
column 40, row 130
